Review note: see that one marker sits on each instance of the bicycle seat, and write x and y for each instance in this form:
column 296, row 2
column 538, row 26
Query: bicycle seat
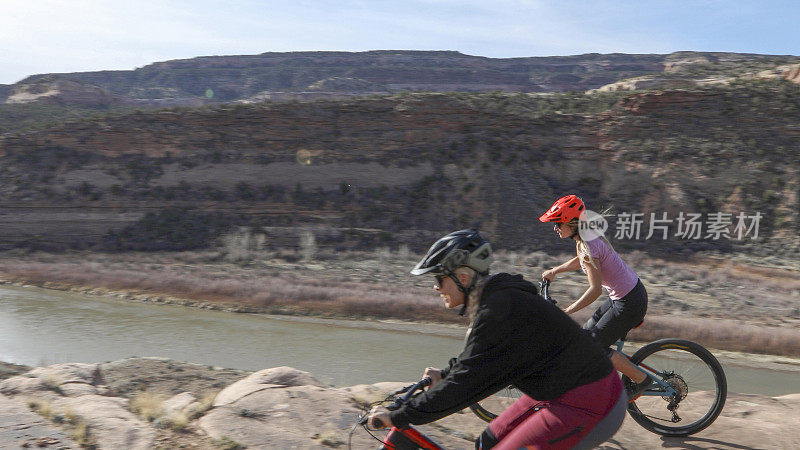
column 626, row 334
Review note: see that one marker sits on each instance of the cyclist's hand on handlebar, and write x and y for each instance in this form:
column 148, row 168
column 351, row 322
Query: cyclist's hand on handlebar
column 378, row 417
column 434, row 374
column 549, row 275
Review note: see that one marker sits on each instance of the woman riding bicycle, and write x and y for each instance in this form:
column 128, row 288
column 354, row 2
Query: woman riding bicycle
column 516, row 337
column 627, row 302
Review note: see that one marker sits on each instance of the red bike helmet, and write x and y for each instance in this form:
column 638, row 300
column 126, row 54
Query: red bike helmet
column 564, row 209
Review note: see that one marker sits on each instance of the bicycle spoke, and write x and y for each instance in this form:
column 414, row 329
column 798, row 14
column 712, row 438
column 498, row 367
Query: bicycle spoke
column 696, row 379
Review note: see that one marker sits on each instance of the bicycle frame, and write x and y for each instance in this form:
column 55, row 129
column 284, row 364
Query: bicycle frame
column 408, row 438
column 666, row 389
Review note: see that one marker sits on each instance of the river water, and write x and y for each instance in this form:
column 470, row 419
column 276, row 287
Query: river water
column 40, row 327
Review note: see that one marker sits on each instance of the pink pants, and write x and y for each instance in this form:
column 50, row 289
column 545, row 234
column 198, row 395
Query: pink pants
column 560, row 423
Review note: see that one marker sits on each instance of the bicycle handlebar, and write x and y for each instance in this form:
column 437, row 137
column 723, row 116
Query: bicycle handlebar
column 398, row 401
column 409, row 390
column 544, row 288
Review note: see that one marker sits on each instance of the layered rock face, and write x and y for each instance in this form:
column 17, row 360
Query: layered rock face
column 307, row 75
column 227, row 78
column 711, row 133
column 369, row 162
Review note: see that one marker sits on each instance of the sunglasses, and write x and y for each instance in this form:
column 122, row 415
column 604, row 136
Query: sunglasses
column 439, row 279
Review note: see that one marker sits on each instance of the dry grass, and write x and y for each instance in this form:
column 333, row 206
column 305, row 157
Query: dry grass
column 41, row 407
column 77, row 429
column 81, row 434
column 722, row 334
column 328, row 438
column 204, row 404
column 147, row 405
column 177, row 421
column 226, row 443
column 53, row 383
column 150, row 407
column 719, row 302
column 268, row 292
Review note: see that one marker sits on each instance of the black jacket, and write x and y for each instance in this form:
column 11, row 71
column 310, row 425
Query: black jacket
column 517, row 338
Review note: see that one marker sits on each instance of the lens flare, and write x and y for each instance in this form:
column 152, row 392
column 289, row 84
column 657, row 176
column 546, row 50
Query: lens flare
column 209, row 93
column 304, row 157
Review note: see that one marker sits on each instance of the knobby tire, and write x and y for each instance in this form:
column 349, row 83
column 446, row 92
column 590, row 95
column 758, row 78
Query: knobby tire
column 700, row 378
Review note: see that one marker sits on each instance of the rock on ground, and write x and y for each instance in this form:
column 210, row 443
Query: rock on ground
column 280, row 408
column 164, row 376
column 74, row 393
column 8, row 370
column 747, row 421
column 287, row 408
column 110, row 422
column 21, row 428
column 264, row 414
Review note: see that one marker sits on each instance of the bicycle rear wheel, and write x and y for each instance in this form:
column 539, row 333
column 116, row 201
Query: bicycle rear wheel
column 697, row 377
column 490, row 407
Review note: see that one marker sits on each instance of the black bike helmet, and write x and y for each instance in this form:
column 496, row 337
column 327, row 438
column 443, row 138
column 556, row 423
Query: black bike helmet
column 459, row 248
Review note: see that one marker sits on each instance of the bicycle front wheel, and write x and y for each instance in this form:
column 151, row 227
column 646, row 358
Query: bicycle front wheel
column 697, row 379
column 491, row 407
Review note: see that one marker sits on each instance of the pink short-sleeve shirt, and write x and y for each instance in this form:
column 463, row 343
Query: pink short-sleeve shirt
column 617, row 277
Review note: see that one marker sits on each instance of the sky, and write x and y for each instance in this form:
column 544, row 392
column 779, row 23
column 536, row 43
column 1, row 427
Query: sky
column 56, row 36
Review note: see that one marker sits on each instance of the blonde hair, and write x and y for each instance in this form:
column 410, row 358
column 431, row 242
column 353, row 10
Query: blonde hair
column 475, row 294
column 581, row 247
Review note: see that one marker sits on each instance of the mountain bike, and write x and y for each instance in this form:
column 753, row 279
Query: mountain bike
column 398, row 438
column 687, row 394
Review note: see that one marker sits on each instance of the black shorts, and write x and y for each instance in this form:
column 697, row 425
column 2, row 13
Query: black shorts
column 614, row 318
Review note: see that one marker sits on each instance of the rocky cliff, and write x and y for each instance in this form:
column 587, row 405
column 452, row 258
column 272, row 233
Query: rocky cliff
column 238, row 77
column 400, row 166
column 315, row 74
column 416, row 163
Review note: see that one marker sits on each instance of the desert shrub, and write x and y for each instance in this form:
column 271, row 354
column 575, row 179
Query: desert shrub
column 169, row 229
column 147, row 405
column 206, row 403
column 242, row 245
column 177, row 421
column 227, row 443
column 42, row 407
column 81, row 434
column 328, row 438
column 243, row 191
column 142, row 169
column 53, row 383
column 117, row 190
column 51, row 158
